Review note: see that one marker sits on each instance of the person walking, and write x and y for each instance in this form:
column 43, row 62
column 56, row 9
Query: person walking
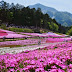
column 39, row 42
column 4, row 38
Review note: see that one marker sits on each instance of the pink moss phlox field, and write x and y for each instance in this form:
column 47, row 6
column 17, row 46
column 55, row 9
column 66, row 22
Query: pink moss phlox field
column 8, row 31
column 58, row 39
column 11, row 34
column 3, row 33
column 54, row 58
column 43, row 34
column 16, row 36
column 22, row 42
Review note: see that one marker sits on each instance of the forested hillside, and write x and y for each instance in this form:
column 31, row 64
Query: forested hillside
column 64, row 18
column 19, row 15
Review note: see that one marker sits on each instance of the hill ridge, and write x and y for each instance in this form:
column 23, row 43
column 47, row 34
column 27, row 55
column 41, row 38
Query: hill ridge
column 64, row 18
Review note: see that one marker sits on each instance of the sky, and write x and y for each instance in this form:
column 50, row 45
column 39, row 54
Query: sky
column 60, row 5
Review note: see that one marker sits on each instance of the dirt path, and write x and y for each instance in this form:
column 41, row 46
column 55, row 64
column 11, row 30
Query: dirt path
column 15, row 50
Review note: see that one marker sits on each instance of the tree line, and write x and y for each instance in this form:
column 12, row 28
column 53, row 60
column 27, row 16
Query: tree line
column 24, row 16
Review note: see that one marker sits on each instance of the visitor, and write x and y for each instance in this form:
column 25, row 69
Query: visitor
column 4, row 38
column 64, row 40
column 39, row 42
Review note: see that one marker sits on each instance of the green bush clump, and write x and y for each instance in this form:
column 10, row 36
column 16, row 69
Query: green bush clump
column 36, row 31
column 3, row 26
column 21, row 30
column 55, row 47
column 28, row 30
column 70, row 32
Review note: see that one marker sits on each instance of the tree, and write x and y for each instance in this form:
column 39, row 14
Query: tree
column 3, row 14
column 56, row 27
column 45, row 20
column 9, row 17
column 4, row 5
column 70, row 32
column 38, row 18
column 12, row 6
column 53, row 26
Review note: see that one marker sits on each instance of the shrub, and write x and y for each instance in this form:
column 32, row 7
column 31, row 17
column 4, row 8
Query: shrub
column 28, row 30
column 3, row 26
column 43, row 31
column 21, row 30
column 36, row 31
column 70, row 32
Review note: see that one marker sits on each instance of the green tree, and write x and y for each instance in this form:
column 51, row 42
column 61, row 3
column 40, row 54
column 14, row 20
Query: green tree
column 53, row 26
column 3, row 26
column 56, row 27
column 9, row 17
column 70, row 32
column 38, row 18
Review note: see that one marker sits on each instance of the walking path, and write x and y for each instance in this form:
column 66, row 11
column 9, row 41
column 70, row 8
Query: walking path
column 15, row 50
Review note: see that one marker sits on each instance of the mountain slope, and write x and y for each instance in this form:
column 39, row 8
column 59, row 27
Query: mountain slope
column 64, row 18
column 43, row 8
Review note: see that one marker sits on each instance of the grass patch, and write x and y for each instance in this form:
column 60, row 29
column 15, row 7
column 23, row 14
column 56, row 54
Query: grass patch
column 55, row 47
column 21, row 30
column 22, row 39
column 11, row 46
column 1, row 40
column 24, row 45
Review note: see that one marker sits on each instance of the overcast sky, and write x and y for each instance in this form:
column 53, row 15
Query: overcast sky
column 61, row 5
